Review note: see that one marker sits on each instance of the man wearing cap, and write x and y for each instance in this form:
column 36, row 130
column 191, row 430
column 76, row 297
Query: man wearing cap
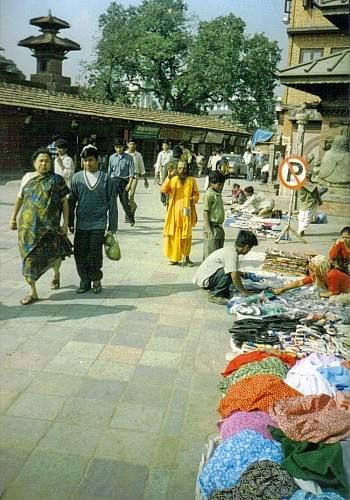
column 121, row 170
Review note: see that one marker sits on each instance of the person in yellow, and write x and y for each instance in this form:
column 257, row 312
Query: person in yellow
column 181, row 215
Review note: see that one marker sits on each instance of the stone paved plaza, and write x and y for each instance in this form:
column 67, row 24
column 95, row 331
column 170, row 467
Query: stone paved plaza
column 112, row 396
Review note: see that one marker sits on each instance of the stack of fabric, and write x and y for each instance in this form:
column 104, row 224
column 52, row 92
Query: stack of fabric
column 284, row 431
column 294, row 264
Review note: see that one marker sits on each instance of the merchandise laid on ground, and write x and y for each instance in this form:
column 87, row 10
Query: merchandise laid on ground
column 262, row 228
column 284, row 431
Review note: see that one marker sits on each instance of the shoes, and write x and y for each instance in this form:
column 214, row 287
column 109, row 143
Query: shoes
column 55, row 283
column 173, row 263
column 301, row 233
column 97, row 287
column 216, row 299
column 83, row 287
column 29, row 299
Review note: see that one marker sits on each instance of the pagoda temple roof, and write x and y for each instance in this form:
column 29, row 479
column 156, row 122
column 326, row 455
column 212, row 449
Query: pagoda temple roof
column 48, row 39
column 49, row 22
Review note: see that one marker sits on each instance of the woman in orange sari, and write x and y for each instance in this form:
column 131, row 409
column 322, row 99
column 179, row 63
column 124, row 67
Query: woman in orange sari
column 181, row 215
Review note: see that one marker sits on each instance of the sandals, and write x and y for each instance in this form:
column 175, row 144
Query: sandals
column 97, row 287
column 29, row 299
column 55, row 284
column 187, row 263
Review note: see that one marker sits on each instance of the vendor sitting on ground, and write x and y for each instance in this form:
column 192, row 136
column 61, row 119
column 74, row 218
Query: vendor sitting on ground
column 238, row 195
column 256, row 203
column 339, row 254
column 221, row 269
column 333, row 280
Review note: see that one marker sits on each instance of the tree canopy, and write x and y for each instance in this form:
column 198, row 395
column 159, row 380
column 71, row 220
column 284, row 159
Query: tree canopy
column 156, row 50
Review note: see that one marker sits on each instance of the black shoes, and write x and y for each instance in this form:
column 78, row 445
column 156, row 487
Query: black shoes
column 83, row 287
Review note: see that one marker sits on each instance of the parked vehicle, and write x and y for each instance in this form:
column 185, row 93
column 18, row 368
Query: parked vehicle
column 237, row 165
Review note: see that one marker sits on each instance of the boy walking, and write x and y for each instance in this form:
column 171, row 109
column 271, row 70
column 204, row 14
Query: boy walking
column 93, row 201
column 213, row 214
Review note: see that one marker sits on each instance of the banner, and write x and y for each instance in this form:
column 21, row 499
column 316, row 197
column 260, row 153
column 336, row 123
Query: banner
column 145, row 132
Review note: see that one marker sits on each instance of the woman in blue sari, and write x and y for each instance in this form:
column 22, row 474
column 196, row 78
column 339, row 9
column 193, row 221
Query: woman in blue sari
column 41, row 201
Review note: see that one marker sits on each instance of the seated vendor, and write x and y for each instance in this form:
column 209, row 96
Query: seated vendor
column 339, row 254
column 238, row 195
column 256, row 203
column 220, row 269
column 324, row 276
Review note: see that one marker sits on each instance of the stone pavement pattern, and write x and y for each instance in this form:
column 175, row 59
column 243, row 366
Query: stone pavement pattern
column 112, row 396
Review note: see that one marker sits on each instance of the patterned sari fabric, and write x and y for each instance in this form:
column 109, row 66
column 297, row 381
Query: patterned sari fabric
column 242, row 420
column 311, row 418
column 264, row 479
column 39, row 240
column 250, row 357
column 256, row 392
column 273, row 366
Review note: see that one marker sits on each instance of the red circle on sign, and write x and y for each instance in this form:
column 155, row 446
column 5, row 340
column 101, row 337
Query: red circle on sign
column 286, row 172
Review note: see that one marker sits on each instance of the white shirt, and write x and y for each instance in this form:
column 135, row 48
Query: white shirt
column 163, row 158
column 256, row 203
column 92, row 177
column 64, row 166
column 226, row 257
column 247, row 157
column 213, row 161
column 138, row 163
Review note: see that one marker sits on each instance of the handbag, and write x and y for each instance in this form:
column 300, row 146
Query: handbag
column 112, row 248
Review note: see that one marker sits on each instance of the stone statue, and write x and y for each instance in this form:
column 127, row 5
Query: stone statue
column 335, row 165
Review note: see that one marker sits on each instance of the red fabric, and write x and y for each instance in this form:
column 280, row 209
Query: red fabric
column 339, row 250
column 307, row 280
column 338, row 282
column 249, row 357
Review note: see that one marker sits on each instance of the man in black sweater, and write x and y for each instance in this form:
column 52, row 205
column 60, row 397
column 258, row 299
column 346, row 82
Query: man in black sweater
column 93, row 201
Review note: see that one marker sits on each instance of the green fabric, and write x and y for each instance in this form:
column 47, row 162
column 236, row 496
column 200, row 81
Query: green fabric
column 320, row 462
column 214, row 205
column 272, row 366
column 308, row 196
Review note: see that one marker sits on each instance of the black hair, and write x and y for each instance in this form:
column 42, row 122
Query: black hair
column 249, row 190
column 236, row 185
column 89, row 151
column 246, row 238
column 62, row 143
column 131, row 140
column 42, row 150
column 177, row 151
column 118, row 142
column 166, row 142
column 215, row 176
column 345, row 229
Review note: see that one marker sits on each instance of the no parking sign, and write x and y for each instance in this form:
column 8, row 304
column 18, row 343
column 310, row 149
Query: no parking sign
column 292, row 172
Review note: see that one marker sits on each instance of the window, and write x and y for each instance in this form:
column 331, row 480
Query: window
column 334, row 50
column 307, row 55
column 287, row 6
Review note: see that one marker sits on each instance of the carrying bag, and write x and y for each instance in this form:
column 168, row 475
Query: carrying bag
column 112, row 247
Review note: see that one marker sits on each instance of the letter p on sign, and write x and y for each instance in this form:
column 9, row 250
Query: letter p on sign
column 292, row 172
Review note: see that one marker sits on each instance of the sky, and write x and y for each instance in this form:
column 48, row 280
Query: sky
column 82, row 15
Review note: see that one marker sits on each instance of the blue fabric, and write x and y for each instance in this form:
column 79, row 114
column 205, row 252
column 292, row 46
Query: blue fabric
column 337, row 376
column 233, row 457
column 306, row 495
column 261, row 136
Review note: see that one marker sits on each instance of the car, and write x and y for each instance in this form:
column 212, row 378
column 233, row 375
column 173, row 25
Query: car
column 237, row 165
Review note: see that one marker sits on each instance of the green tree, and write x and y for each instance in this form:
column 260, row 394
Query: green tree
column 154, row 49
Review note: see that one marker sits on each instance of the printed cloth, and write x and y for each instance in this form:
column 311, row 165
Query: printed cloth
column 264, row 480
column 257, row 392
column 241, row 420
column 233, row 457
column 337, row 376
column 322, row 462
column 311, row 418
column 306, row 495
column 342, row 400
column 250, row 357
column 272, row 366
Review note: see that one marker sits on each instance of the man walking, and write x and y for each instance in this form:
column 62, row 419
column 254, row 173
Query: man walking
column 63, row 164
column 121, row 170
column 140, row 171
column 163, row 158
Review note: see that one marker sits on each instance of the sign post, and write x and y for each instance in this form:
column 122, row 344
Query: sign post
column 292, row 174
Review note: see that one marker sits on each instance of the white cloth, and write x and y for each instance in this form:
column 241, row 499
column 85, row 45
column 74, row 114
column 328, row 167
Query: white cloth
column 26, row 178
column 163, row 158
column 248, row 157
column 305, row 378
column 256, row 203
column 138, row 163
column 92, row 177
column 304, row 219
column 226, row 257
column 64, row 166
column 213, row 161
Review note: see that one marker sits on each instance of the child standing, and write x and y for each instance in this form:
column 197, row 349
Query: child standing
column 93, row 201
column 213, row 214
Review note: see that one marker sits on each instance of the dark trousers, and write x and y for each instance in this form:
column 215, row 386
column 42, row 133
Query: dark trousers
column 219, row 283
column 120, row 185
column 88, row 255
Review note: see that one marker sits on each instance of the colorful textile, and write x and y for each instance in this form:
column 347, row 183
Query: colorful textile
column 262, row 480
column 306, row 495
column 272, row 366
column 321, row 462
column 233, row 457
column 241, row 420
column 342, row 400
column 338, row 376
column 250, row 357
column 311, row 418
column 340, row 254
column 181, row 216
column 39, row 240
column 257, row 392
